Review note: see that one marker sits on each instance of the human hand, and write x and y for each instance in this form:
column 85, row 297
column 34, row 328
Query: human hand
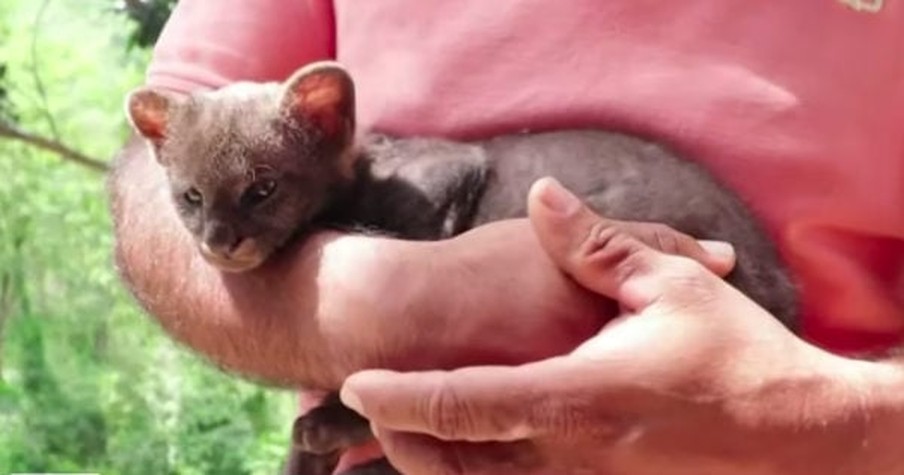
column 692, row 378
column 476, row 320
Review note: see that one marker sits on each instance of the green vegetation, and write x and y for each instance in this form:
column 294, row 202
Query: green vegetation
column 88, row 383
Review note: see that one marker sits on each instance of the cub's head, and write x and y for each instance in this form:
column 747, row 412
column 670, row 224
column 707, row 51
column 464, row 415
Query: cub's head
column 250, row 164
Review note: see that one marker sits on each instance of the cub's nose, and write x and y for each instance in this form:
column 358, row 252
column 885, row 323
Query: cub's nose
column 220, row 240
column 221, row 250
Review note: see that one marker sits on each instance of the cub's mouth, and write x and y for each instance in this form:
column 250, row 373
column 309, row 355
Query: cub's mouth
column 246, row 256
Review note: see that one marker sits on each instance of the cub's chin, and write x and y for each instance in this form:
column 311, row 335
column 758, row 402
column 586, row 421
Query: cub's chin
column 248, row 256
column 234, row 267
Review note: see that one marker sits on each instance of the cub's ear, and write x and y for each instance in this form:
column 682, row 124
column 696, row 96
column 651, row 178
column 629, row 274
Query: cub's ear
column 322, row 95
column 149, row 110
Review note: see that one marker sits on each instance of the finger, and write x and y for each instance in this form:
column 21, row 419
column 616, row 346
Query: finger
column 604, row 257
column 488, row 403
column 717, row 256
column 415, row 454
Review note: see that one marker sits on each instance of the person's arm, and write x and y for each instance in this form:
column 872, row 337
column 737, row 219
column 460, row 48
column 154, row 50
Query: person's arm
column 262, row 324
column 334, row 304
column 693, row 378
column 339, row 303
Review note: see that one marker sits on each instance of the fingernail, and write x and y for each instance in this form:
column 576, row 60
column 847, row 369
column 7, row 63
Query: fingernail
column 558, row 199
column 718, row 248
column 351, row 400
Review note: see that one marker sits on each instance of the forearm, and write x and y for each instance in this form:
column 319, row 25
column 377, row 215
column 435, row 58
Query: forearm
column 334, row 304
column 281, row 323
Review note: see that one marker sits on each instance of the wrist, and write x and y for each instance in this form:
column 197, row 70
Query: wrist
column 875, row 400
column 376, row 297
column 506, row 302
column 848, row 419
column 815, row 413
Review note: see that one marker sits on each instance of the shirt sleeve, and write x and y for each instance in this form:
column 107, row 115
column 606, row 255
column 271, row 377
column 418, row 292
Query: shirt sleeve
column 208, row 44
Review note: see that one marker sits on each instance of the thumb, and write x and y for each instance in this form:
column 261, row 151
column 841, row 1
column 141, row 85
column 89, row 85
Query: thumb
column 549, row 195
column 611, row 257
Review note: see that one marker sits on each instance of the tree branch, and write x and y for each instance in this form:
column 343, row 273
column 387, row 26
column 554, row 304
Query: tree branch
column 5, row 312
column 35, row 71
column 12, row 132
column 134, row 5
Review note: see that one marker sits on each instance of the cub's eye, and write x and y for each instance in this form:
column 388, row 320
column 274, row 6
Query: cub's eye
column 193, row 197
column 259, row 191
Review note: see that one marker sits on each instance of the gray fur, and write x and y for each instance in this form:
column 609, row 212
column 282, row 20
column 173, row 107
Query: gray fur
column 431, row 188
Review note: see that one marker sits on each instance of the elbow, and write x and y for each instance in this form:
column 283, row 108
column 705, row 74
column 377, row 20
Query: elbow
column 117, row 186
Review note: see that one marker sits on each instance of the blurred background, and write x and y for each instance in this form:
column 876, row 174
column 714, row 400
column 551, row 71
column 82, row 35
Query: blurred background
column 87, row 382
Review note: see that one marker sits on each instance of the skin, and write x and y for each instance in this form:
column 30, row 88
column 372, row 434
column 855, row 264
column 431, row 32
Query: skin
column 692, row 378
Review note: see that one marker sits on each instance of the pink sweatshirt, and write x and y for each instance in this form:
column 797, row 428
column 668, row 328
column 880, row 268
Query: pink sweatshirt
column 798, row 105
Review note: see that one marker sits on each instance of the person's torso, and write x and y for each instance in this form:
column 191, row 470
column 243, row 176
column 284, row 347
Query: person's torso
column 798, row 106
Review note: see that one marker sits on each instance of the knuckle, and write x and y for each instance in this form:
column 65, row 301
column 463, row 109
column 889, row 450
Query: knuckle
column 557, row 418
column 666, row 239
column 599, row 235
column 691, row 282
column 607, row 244
column 662, row 237
column 631, row 264
column 575, row 419
column 447, row 414
column 687, row 270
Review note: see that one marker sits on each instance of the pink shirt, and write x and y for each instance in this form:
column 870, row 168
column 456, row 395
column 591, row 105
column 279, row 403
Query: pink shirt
column 798, row 105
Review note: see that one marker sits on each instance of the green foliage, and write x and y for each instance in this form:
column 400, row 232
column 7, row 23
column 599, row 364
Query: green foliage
column 87, row 382
column 6, row 112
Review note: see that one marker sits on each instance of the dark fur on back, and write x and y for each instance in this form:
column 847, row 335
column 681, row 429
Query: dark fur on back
column 623, row 177
column 424, row 188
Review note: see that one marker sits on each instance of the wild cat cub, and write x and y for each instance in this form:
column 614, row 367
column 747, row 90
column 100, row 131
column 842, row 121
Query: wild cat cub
column 251, row 166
